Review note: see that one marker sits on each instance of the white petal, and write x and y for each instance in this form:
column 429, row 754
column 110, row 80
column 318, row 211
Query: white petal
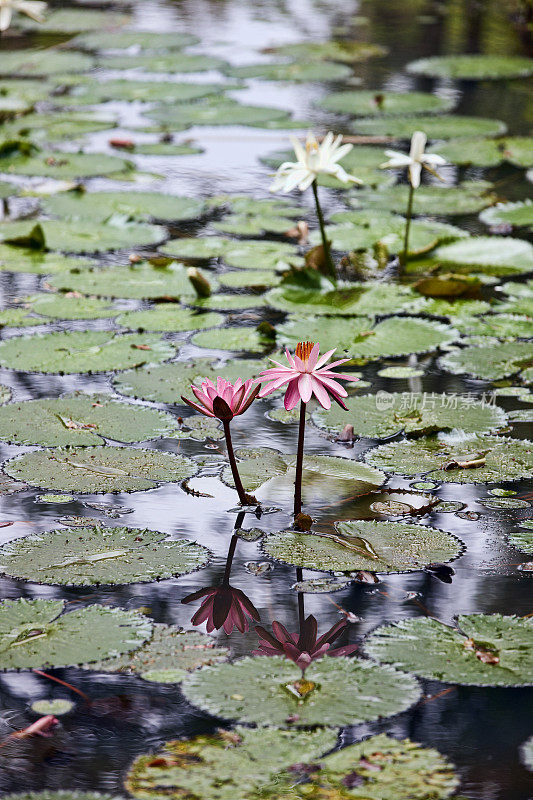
column 414, row 174
column 418, row 145
column 433, row 159
column 5, row 17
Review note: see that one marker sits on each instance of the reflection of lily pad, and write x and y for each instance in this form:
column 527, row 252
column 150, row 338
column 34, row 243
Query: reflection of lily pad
column 64, row 166
column 217, row 767
column 378, row 416
column 84, row 236
column 32, row 62
column 490, row 363
column 94, row 556
column 168, row 317
column 261, row 690
column 91, row 470
column 167, row 657
column 35, row 633
column 81, row 419
column 467, row 198
column 82, row 351
column 363, row 103
column 364, row 545
column 435, row 127
column 480, row 459
column 475, row 67
column 484, row 650
column 133, row 205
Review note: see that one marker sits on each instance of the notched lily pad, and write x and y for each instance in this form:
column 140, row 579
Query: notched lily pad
column 56, row 707
column 364, row 545
column 94, row 555
column 484, row 649
column 92, row 470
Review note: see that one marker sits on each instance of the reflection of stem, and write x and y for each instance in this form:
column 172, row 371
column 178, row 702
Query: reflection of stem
column 299, row 462
column 62, row 683
column 325, row 242
column 233, row 464
column 301, row 610
column 229, row 558
column 403, row 254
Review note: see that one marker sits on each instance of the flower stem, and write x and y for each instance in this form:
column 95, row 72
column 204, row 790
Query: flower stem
column 403, row 254
column 301, row 610
column 233, row 464
column 229, row 559
column 62, row 683
column 299, row 462
column 325, row 242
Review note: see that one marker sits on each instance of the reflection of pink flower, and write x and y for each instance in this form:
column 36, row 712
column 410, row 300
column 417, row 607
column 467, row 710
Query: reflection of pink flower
column 223, row 607
column 225, row 400
column 302, row 648
column 307, row 374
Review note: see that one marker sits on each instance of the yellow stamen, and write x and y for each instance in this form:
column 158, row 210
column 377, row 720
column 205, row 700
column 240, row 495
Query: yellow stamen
column 303, row 350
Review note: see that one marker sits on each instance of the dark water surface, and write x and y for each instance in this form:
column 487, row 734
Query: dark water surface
column 480, row 730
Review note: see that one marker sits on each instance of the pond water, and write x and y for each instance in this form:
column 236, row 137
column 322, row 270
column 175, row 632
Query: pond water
column 480, row 729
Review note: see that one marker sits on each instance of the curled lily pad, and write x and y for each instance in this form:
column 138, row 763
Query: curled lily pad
column 264, row 691
column 477, row 67
column 30, row 63
column 82, row 351
column 216, row 766
column 483, row 650
column 369, row 545
column 65, row 166
column 82, row 236
column 94, row 470
column 167, row 657
column 169, row 317
column 384, row 414
column 37, row 634
column 475, row 152
column 355, row 299
column 476, row 459
column 469, row 197
column 94, row 555
column 134, row 205
column 435, row 127
column 81, row 419
column 492, row 362
column 56, row 707
column 365, row 103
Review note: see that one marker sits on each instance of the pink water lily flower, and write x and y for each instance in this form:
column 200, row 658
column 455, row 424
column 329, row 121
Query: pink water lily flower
column 224, row 400
column 307, row 375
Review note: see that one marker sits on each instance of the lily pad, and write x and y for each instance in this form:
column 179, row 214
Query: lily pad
column 484, row 649
column 169, row 317
column 354, row 299
column 37, row 634
column 476, row 67
column 81, row 419
column 522, row 539
column 79, row 236
column 50, row 794
column 490, row 363
column 519, row 214
column 435, row 127
column 303, row 71
column 344, row 51
column 384, row 414
column 478, row 459
column 218, row 110
column 99, row 206
column 245, row 255
column 93, row 556
column 38, row 262
column 151, row 41
column 373, row 546
column 466, row 198
column 253, row 279
column 475, row 152
column 365, row 103
column 518, row 150
column 500, row 252
column 261, row 690
column 95, row 470
column 56, row 126
column 73, row 20
column 175, row 63
column 216, row 766
column 251, row 225
column 165, row 149
column 167, row 657
column 119, row 90
column 228, row 302
column 30, row 63
column 233, row 338
column 18, row 318
column 401, row 373
column 504, row 503
column 395, row 336
column 56, row 707
column 68, row 306
column 82, row 351
column 64, row 166
column 500, row 326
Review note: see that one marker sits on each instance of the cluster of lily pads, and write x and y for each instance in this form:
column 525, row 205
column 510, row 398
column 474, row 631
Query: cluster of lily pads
column 126, row 278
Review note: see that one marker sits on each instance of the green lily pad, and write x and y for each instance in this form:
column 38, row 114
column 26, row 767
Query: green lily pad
column 95, row 470
column 487, row 251
column 490, row 363
column 470, row 152
column 216, row 766
column 354, row 299
column 165, row 149
column 55, row 498
column 344, row 51
column 400, row 373
column 56, row 707
column 370, row 545
column 60, row 795
column 484, row 649
column 378, row 416
column 244, row 255
column 504, row 503
column 522, row 539
column 134, row 282
column 133, row 205
column 37, row 634
column 30, row 63
column 517, row 214
column 18, row 318
column 365, row 103
column 489, row 459
column 248, row 225
column 73, row 20
column 435, row 127
column 249, row 279
column 304, row 71
column 167, row 657
column 258, row 690
column 466, row 198
column 395, row 336
column 175, row 63
column 243, row 204
column 199, row 428
column 140, row 40
column 228, row 302
column 233, row 338
column 53, row 127
column 169, row 317
column 38, row 262
column 455, row 309
column 93, row 556
column 83, row 236
column 64, row 166
column 518, row 150
column 218, row 110
column 501, row 326
column 68, row 306
column 82, row 351
column 476, row 67
column 81, row 419
column 119, row 90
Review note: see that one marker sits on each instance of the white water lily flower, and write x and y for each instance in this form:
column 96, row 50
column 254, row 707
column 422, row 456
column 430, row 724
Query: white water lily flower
column 314, row 159
column 416, row 159
column 31, row 8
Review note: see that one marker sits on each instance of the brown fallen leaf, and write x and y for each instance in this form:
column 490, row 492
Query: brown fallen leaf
column 141, row 347
column 122, row 144
column 300, row 232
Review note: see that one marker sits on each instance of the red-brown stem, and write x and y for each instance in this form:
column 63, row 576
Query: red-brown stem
column 233, row 464
column 301, row 610
column 229, row 559
column 62, row 683
column 299, row 462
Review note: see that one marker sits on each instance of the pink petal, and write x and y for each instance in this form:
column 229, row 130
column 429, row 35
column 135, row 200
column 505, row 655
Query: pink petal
column 313, row 357
column 332, row 386
column 335, row 363
column 305, row 387
column 323, row 358
column 321, row 393
column 271, row 387
column 290, row 359
column 337, row 375
column 292, row 395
